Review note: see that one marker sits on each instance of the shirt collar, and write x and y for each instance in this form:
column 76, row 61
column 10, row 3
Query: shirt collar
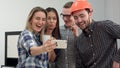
column 90, row 28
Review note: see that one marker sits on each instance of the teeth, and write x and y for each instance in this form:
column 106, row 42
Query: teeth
column 39, row 25
column 82, row 23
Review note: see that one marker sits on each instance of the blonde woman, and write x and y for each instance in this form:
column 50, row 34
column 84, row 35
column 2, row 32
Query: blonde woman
column 32, row 53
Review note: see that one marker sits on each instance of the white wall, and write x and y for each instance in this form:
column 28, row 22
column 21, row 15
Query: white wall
column 112, row 10
column 98, row 9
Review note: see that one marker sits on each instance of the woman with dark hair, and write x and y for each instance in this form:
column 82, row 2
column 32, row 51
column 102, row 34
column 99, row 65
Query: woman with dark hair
column 52, row 25
column 52, row 28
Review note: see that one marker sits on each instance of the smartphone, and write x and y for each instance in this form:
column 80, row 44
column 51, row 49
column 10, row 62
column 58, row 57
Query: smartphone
column 61, row 44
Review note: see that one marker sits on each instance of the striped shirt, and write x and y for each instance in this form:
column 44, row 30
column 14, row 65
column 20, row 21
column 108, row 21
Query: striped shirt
column 26, row 40
column 66, row 57
column 97, row 48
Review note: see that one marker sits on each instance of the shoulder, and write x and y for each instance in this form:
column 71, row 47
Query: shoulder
column 26, row 34
column 62, row 27
column 104, row 23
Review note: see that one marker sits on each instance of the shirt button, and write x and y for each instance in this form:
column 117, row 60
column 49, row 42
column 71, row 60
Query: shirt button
column 66, row 65
column 93, row 54
column 91, row 30
column 65, row 57
column 89, row 35
column 91, row 45
column 94, row 63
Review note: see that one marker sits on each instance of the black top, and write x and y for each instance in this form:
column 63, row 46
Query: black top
column 97, row 48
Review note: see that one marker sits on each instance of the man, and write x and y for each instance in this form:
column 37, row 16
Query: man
column 66, row 57
column 96, row 46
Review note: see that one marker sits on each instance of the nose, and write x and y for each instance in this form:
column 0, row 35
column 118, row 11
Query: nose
column 65, row 18
column 79, row 19
column 42, row 22
column 51, row 20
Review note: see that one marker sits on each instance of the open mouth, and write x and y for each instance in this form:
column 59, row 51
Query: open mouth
column 81, row 24
column 38, row 26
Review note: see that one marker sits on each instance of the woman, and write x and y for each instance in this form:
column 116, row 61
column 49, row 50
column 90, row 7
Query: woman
column 52, row 28
column 32, row 53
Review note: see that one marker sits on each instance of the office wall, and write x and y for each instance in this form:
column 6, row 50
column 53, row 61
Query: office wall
column 112, row 10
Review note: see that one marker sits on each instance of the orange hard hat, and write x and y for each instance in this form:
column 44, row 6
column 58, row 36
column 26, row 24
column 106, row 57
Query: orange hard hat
column 79, row 5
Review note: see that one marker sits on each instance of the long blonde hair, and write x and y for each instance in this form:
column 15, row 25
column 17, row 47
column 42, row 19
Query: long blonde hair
column 30, row 16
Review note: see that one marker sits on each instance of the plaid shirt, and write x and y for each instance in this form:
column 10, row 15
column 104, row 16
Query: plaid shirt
column 97, row 47
column 25, row 59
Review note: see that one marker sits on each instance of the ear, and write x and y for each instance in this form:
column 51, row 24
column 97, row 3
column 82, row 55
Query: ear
column 90, row 14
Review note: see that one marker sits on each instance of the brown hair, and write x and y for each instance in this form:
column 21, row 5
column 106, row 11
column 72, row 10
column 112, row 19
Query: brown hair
column 68, row 4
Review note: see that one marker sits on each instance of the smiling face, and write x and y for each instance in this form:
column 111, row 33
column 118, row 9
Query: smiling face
column 51, row 20
column 82, row 18
column 67, row 17
column 38, row 21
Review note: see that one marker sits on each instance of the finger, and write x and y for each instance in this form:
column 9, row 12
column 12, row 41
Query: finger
column 52, row 38
column 50, row 49
column 115, row 64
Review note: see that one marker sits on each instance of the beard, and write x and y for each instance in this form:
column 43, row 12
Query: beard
column 84, row 24
column 88, row 22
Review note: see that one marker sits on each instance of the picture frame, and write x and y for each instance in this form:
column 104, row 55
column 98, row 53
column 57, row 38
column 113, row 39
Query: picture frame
column 11, row 54
column 3, row 66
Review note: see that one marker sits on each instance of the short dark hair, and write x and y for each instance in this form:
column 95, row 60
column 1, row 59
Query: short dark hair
column 68, row 4
column 87, row 9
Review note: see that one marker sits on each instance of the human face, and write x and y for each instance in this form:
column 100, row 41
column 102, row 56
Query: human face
column 67, row 17
column 82, row 18
column 51, row 20
column 38, row 21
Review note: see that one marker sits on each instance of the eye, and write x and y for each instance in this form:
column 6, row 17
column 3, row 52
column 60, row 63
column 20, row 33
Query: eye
column 65, row 15
column 81, row 16
column 75, row 17
column 37, row 18
column 43, row 19
column 48, row 18
column 54, row 18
